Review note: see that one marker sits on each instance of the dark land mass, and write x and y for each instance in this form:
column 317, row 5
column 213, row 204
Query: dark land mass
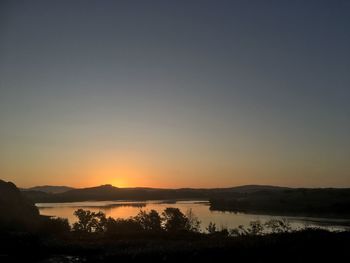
column 260, row 199
column 110, row 193
column 25, row 236
column 327, row 202
column 50, row 189
column 15, row 210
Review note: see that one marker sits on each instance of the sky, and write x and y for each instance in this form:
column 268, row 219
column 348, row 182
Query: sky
column 175, row 93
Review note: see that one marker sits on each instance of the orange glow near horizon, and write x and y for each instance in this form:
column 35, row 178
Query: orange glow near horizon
column 151, row 169
column 123, row 171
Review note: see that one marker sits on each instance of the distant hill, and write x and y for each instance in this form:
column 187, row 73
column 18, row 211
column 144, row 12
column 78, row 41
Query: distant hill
column 16, row 210
column 109, row 192
column 324, row 202
column 50, row 189
column 256, row 188
column 263, row 199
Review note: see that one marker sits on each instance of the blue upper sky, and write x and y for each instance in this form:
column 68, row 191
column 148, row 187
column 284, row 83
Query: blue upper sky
column 175, row 93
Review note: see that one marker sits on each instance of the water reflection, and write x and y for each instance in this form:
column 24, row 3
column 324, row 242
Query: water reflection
column 125, row 209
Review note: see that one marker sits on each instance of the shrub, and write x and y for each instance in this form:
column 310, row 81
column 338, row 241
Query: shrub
column 255, row 228
column 57, row 226
column 211, row 228
column 278, row 225
column 123, row 226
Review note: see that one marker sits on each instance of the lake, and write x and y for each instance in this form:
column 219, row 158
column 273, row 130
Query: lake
column 125, row 209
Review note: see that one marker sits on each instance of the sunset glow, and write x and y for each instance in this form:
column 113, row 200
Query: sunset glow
column 174, row 131
column 177, row 95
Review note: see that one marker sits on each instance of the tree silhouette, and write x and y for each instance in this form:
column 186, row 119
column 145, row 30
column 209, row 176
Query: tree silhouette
column 150, row 221
column 193, row 223
column 255, row 228
column 89, row 221
column 211, row 228
column 174, row 220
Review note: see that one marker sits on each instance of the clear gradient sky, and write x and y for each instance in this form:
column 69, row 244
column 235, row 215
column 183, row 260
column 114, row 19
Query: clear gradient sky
column 175, row 93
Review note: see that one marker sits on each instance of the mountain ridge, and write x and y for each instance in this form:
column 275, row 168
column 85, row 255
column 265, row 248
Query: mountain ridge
column 49, row 189
column 109, row 192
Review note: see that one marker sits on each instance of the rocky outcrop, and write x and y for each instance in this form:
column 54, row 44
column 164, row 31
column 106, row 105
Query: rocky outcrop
column 15, row 210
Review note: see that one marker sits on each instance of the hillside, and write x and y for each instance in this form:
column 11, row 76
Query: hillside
column 109, row 192
column 49, row 189
column 259, row 199
column 327, row 202
column 16, row 211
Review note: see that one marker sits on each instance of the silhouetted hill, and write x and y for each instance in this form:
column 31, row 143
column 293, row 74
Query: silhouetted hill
column 109, row 192
column 49, row 189
column 255, row 188
column 16, row 210
column 261, row 199
column 328, row 202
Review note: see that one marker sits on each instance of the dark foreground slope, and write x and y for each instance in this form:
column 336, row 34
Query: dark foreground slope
column 305, row 246
column 15, row 209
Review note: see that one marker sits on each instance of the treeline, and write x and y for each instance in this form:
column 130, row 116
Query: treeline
column 172, row 220
column 306, row 202
column 169, row 223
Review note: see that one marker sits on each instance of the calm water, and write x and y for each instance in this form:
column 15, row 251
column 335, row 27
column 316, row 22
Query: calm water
column 123, row 209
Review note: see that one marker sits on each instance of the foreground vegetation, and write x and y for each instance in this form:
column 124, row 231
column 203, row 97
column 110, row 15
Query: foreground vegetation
column 171, row 221
column 170, row 236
